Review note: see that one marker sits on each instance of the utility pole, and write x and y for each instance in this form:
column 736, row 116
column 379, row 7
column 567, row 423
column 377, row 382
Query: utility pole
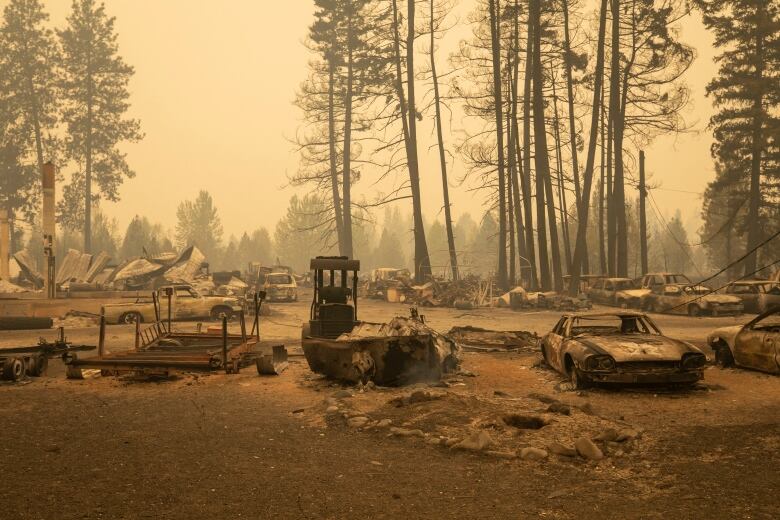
column 50, row 286
column 642, row 215
column 5, row 240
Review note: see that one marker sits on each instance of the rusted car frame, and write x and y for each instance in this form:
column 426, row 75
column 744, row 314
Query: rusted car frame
column 624, row 347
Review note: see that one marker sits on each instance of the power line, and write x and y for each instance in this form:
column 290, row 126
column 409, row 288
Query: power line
column 662, row 221
column 735, row 262
column 722, row 286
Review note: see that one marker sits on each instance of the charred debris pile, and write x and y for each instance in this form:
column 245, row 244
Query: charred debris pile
column 469, row 292
column 84, row 272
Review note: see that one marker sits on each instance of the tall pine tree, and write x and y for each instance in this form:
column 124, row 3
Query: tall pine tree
column 746, row 127
column 95, row 96
column 28, row 111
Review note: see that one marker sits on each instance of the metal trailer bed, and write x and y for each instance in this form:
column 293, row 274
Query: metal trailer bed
column 159, row 350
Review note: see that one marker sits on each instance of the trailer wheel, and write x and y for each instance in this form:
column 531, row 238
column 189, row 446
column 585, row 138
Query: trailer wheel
column 38, row 366
column 72, row 372
column 13, row 369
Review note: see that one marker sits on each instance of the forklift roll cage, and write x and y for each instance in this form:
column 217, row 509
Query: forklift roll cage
column 331, row 311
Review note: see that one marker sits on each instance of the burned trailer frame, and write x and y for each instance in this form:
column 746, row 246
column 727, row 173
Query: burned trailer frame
column 18, row 362
column 159, row 350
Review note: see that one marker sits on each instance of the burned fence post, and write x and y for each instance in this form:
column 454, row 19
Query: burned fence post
column 225, row 343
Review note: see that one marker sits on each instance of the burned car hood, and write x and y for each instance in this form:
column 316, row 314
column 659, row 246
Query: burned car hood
column 637, row 347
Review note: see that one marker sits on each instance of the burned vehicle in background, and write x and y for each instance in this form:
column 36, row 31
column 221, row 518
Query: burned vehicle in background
column 617, row 292
column 337, row 345
column 691, row 299
column 185, row 304
column 757, row 295
column 753, row 345
column 621, row 347
column 280, row 286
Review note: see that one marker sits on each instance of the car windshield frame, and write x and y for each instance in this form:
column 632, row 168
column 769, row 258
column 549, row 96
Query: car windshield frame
column 273, row 279
column 644, row 325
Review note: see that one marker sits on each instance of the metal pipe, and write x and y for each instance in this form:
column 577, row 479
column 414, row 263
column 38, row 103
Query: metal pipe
column 102, row 335
column 169, row 294
column 224, row 343
column 137, row 334
column 243, row 325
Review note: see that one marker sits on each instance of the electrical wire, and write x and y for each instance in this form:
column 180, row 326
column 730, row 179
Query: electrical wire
column 683, row 248
column 722, row 286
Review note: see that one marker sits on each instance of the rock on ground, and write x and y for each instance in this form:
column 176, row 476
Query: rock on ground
column 587, row 449
column 479, row 441
column 533, row 454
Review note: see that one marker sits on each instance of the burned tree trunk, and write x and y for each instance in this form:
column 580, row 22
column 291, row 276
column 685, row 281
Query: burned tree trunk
column 542, row 160
column 346, row 176
column 617, row 116
column 582, row 223
column 334, row 176
column 442, row 158
column 525, row 175
column 498, row 103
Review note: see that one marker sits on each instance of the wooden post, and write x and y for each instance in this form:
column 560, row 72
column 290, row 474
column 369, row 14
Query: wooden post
column 5, row 245
column 102, row 335
column 642, row 214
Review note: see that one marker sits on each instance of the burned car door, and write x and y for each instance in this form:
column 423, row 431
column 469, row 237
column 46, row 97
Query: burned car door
column 596, row 290
column 186, row 305
column 552, row 345
column 756, row 345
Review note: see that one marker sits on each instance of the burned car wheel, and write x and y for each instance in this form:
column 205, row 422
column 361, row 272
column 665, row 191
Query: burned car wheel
column 131, row 317
column 578, row 381
column 694, row 311
column 723, row 356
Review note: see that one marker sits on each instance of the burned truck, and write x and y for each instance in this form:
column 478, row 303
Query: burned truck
column 338, row 345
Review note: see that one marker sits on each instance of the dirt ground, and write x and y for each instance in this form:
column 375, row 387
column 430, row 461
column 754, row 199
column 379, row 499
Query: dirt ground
column 299, row 446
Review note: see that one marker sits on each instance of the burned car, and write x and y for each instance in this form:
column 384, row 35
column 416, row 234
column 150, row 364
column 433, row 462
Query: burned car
column 618, row 292
column 757, row 295
column 185, row 304
column 622, row 347
column 753, row 345
column 281, row 286
column 691, row 299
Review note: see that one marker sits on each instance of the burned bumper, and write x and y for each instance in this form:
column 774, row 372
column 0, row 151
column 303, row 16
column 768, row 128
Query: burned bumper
column 646, row 376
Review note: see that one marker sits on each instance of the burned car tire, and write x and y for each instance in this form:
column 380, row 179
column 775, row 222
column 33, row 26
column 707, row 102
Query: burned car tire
column 723, row 356
column 130, row 318
column 694, row 311
column 578, row 381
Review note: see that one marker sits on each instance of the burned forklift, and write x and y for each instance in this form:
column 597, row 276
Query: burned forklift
column 337, row 345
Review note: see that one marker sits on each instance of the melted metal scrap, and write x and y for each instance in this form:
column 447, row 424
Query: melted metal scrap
column 400, row 352
column 476, row 338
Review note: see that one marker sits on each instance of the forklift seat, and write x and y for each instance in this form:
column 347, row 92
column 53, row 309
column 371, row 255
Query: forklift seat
column 334, row 294
column 337, row 312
